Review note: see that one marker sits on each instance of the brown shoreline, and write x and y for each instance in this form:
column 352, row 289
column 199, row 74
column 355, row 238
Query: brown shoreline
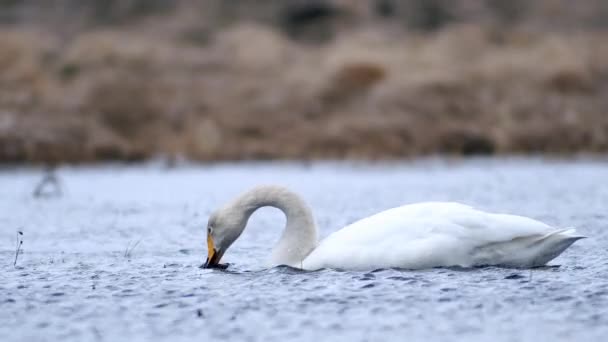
column 252, row 93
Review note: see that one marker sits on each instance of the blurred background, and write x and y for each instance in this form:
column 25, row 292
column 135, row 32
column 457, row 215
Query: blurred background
column 96, row 80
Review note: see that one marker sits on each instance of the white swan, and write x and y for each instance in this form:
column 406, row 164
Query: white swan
column 413, row 236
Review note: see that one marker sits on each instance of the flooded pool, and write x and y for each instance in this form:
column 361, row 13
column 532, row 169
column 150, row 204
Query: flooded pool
column 116, row 256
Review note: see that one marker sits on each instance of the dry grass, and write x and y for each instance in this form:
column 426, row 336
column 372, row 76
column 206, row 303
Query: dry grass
column 252, row 93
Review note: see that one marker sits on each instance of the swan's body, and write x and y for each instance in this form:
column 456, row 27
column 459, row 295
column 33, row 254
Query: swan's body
column 414, row 236
column 435, row 234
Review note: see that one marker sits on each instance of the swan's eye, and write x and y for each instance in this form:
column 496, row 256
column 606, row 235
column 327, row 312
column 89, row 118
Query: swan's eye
column 209, row 230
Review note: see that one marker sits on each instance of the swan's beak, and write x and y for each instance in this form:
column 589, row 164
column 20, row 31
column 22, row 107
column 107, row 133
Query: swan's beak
column 213, row 256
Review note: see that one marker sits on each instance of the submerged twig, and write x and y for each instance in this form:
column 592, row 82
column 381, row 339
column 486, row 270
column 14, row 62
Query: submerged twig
column 18, row 248
column 49, row 184
column 128, row 250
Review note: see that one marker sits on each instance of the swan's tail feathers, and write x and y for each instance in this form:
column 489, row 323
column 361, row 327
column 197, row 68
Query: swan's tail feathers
column 567, row 234
column 551, row 245
column 527, row 251
column 570, row 233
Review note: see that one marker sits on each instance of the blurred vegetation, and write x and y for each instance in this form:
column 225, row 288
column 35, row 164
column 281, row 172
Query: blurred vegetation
column 87, row 80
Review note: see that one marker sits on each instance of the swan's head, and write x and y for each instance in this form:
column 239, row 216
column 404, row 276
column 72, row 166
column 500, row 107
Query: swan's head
column 223, row 228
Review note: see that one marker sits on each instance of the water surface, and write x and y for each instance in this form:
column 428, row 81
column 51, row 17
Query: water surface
column 116, row 257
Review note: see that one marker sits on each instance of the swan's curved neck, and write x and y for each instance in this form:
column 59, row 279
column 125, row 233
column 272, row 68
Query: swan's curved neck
column 299, row 237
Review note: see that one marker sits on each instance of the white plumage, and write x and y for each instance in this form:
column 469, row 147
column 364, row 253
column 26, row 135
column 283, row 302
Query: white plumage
column 413, row 236
column 433, row 234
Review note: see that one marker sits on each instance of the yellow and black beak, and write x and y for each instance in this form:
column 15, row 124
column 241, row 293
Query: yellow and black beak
column 214, row 255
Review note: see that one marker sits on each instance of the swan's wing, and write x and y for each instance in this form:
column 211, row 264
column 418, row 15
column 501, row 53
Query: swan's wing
column 418, row 236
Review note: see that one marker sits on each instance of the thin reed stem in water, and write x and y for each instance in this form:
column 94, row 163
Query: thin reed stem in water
column 18, row 248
